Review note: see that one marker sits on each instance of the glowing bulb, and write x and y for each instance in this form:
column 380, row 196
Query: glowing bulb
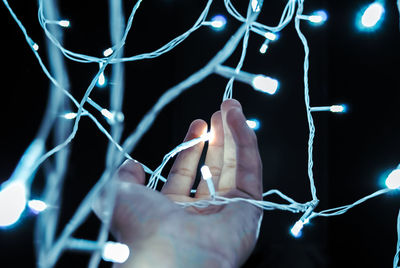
column 393, row 180
column 64, row 23
column 218, row 22
column 37, row 206
column 206, row 173
column 271, row 36
column 255, row 6
column 35, row 47
column 107, row 114
column 12, row 203
column 263, row 48
column 372, row 15
column 265, row 84
column 253, row 124
column 296, row 229
column 337, row 108
column 115, row 252
column 69, row 116
column 102, row 80
column 108, row 52
column 318, row 17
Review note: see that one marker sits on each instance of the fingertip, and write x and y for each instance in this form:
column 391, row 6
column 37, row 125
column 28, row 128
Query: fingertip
column 196, row 129
column 131, row 171
column 230, row 103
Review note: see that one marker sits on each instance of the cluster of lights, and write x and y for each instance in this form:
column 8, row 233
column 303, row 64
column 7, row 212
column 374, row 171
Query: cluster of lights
column 15, row 193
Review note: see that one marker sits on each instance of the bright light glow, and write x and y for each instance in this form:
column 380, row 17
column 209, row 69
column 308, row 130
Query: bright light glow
column 108, row 52
column 255, row 6
column 263, row 48
column 115, row 252
column 37, row 206
column 35, row 47
column 372, row 15
column 318, row 17
column 12, row 203
column 253, row 124
column 338, row 108
column 70, row 116
column 271, row 36
column 296, row 229
column 64, row 23
column 206, row 173
column 218, row 22
column 393, row 180
column 265, row 84
column 107, row 114
column 102, row 80
column 207, row 176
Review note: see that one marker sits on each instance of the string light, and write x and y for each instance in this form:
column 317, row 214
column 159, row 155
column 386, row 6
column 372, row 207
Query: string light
column 17, row 187
column 333, row 108
column 37, row 206
column 372, row 15
column 206, row 173
column 253, row 124
column 317, row 17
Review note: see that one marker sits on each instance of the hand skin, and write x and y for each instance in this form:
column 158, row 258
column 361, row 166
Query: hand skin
column 160, row 233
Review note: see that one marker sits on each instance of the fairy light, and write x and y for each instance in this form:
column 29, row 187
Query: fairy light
column 253, row 124
column 206, row 173
column 37, row 206
column 372, row 15
column 16, row 190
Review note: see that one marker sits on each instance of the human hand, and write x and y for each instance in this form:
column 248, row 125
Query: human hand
column 161, row 233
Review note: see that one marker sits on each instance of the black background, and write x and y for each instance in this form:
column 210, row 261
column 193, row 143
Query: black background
column 352, row 150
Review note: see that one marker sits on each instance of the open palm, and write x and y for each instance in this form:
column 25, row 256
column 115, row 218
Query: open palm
column 162, row 234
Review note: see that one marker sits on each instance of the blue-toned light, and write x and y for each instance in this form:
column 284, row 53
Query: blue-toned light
column 102, row 80
column 318, row 17
column 296, row 229
column 253, row 124
column 37, row 206
column 393, row 180
column 12, row 203
column 371, row 17
column 265, row 84
column 218, row 22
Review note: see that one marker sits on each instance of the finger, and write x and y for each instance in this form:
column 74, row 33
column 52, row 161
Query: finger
column 227, row 179
column 183, row 172
column 215, row 153
column 131, row 171
column 248, row 166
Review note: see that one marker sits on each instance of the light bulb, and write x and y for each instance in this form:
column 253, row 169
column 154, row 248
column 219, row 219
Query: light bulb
column 37, row 206
column 253, row 124
column 393, row 179
column 338, row 108
column 70, row 116
column 64, row 23
column 35, row 47
column 255, row 5
column 296, row 229
column 263, row 48
column 372, row 15
column 12, row 203
column 265, row 84
column 317, row 17
column 115, row 252
column 206, row 173
column 102, row 80
column 108, row 52
column 271, row 36
column 218, row 22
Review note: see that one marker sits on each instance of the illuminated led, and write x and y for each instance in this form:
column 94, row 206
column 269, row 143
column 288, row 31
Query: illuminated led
column 255, row 5
column 296, row 229
column 107, row 114
column 263, row 48
column 115, row 252
column 253, row 124
column 271, row 36
column 12, row 203
column 102, row 80
column 35, row 47
column 64, row 23
column 108, row 52
column 337, row 108
column 372, row 15
column 218, row 22
column 206, row 174
column 37, row 206
column 265, row 84
column 318, row 17
column 69, row 116
column 393, row 180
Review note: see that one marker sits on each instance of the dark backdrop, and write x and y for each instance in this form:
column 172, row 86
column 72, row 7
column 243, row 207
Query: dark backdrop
column 352, row 150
